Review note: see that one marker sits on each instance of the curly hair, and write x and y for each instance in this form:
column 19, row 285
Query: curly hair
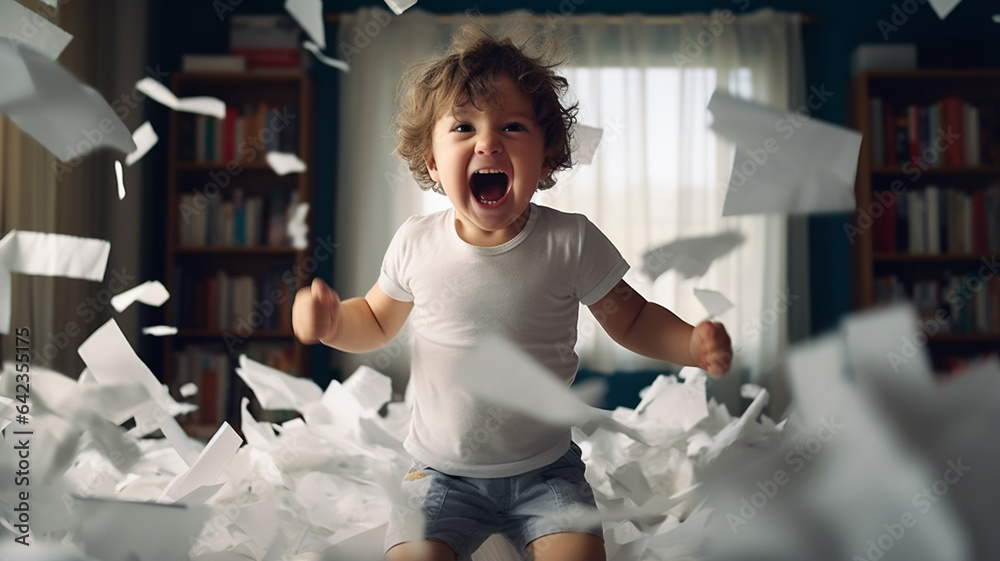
column 468, row 74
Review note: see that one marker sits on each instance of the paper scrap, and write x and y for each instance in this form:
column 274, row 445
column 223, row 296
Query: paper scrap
column 141, row 530
column 297, row 228
column 159, row 330
column 121, row 180
column 329, row 61
column 370, row 388
column 53, row 255
column 943, row 7
column 24, row 27
column 152, row 293
column 587, row 140
column 204, row 105
column 275, row 389
column 189, row 389
column 111, row 360
column 209, row 466
column 145, row 138
column 400, row 6
column 784, row 168
column 498, row 372
column 283, row 163
column 715, row 302
column 690, row 257
column 68, row 118
column 309, row 14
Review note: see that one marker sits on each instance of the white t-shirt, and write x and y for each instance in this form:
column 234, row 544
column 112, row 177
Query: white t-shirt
column 528, row 291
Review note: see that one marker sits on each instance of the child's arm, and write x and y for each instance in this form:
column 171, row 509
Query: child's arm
column 355, row 325
column 651, row 330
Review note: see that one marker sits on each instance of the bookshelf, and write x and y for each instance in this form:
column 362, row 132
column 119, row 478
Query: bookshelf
column 927, row 224
column 230, row 267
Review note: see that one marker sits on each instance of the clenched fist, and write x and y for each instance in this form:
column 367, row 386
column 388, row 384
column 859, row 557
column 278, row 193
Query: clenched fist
column 315, row 312
column 711, row 348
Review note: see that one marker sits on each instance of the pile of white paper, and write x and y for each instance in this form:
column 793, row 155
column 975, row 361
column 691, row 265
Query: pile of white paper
column 867, row 457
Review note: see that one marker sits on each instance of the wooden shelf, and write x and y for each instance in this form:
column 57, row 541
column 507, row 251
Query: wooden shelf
column 219, row 333
column 925, row 257
column 966, row 338
column 236, row 250
column 938, row 172
column 218, row 166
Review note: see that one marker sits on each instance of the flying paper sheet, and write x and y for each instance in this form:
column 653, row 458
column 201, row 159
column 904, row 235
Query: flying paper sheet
column 500, row 372
column 785, row 163
column 66, row 117
column 297, row 227
column 145, row 138
column 204, row 105
column 53, row 255
column 400, row 6
column 159, row 330
column 690, row 257
column 24, row 27
column 121, row 180
column 943, row 7
column 587, row 141
column 309, row 14
column 151, row 292
column 275, row 389
column 329, row 61
column 715, row 303
column 283, row 163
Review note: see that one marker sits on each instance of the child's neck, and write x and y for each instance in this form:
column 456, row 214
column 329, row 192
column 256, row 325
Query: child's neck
column 472, row 235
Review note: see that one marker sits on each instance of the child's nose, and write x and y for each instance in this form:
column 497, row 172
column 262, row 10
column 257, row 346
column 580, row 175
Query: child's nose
column 488, row 143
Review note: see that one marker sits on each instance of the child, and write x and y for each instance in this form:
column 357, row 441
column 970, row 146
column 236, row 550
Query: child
column 485, row 126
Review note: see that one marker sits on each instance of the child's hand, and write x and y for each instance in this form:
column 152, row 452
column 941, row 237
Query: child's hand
column 711, row 348
column 315, row 312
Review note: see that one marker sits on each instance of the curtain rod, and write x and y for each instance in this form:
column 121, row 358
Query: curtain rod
column 614, row 20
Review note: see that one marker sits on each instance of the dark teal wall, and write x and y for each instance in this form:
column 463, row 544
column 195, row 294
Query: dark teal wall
column 966, row 37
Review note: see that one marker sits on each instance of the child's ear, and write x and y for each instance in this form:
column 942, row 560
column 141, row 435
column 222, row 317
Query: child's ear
column 431, row 166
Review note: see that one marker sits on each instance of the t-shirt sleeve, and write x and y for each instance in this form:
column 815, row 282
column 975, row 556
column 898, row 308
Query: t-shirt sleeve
column 392, row 278
column 601, row 265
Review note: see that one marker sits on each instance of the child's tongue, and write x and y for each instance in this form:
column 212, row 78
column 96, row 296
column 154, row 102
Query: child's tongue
column 489, row 187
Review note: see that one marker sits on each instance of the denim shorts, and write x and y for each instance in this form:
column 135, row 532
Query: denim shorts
column 463, row 512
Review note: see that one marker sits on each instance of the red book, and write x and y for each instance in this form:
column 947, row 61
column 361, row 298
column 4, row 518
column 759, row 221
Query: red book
column 270, row 57
column 210, row 303
column 884, row 227
column 952, row 121
column 913, row 117
column 208, row 392
column 888, row 112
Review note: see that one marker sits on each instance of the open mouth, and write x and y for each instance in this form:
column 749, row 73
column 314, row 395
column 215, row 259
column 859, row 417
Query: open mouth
column 489, row 186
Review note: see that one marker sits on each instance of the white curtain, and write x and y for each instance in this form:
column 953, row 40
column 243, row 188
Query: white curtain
column 658, row 175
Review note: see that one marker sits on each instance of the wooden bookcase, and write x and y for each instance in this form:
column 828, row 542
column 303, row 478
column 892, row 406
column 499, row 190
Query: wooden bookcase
column 905, row 203
column 230, row 267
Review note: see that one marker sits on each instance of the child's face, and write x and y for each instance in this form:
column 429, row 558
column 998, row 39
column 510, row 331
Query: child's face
column 468, row 149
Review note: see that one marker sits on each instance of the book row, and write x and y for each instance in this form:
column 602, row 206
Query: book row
column 950, row 133
column 956, row 302
column 238, row 221
column 241, row 304
column 244, row 136
column 935, row 220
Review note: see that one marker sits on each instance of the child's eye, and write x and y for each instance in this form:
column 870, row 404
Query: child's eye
column 515, row 127
column 462, row 128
